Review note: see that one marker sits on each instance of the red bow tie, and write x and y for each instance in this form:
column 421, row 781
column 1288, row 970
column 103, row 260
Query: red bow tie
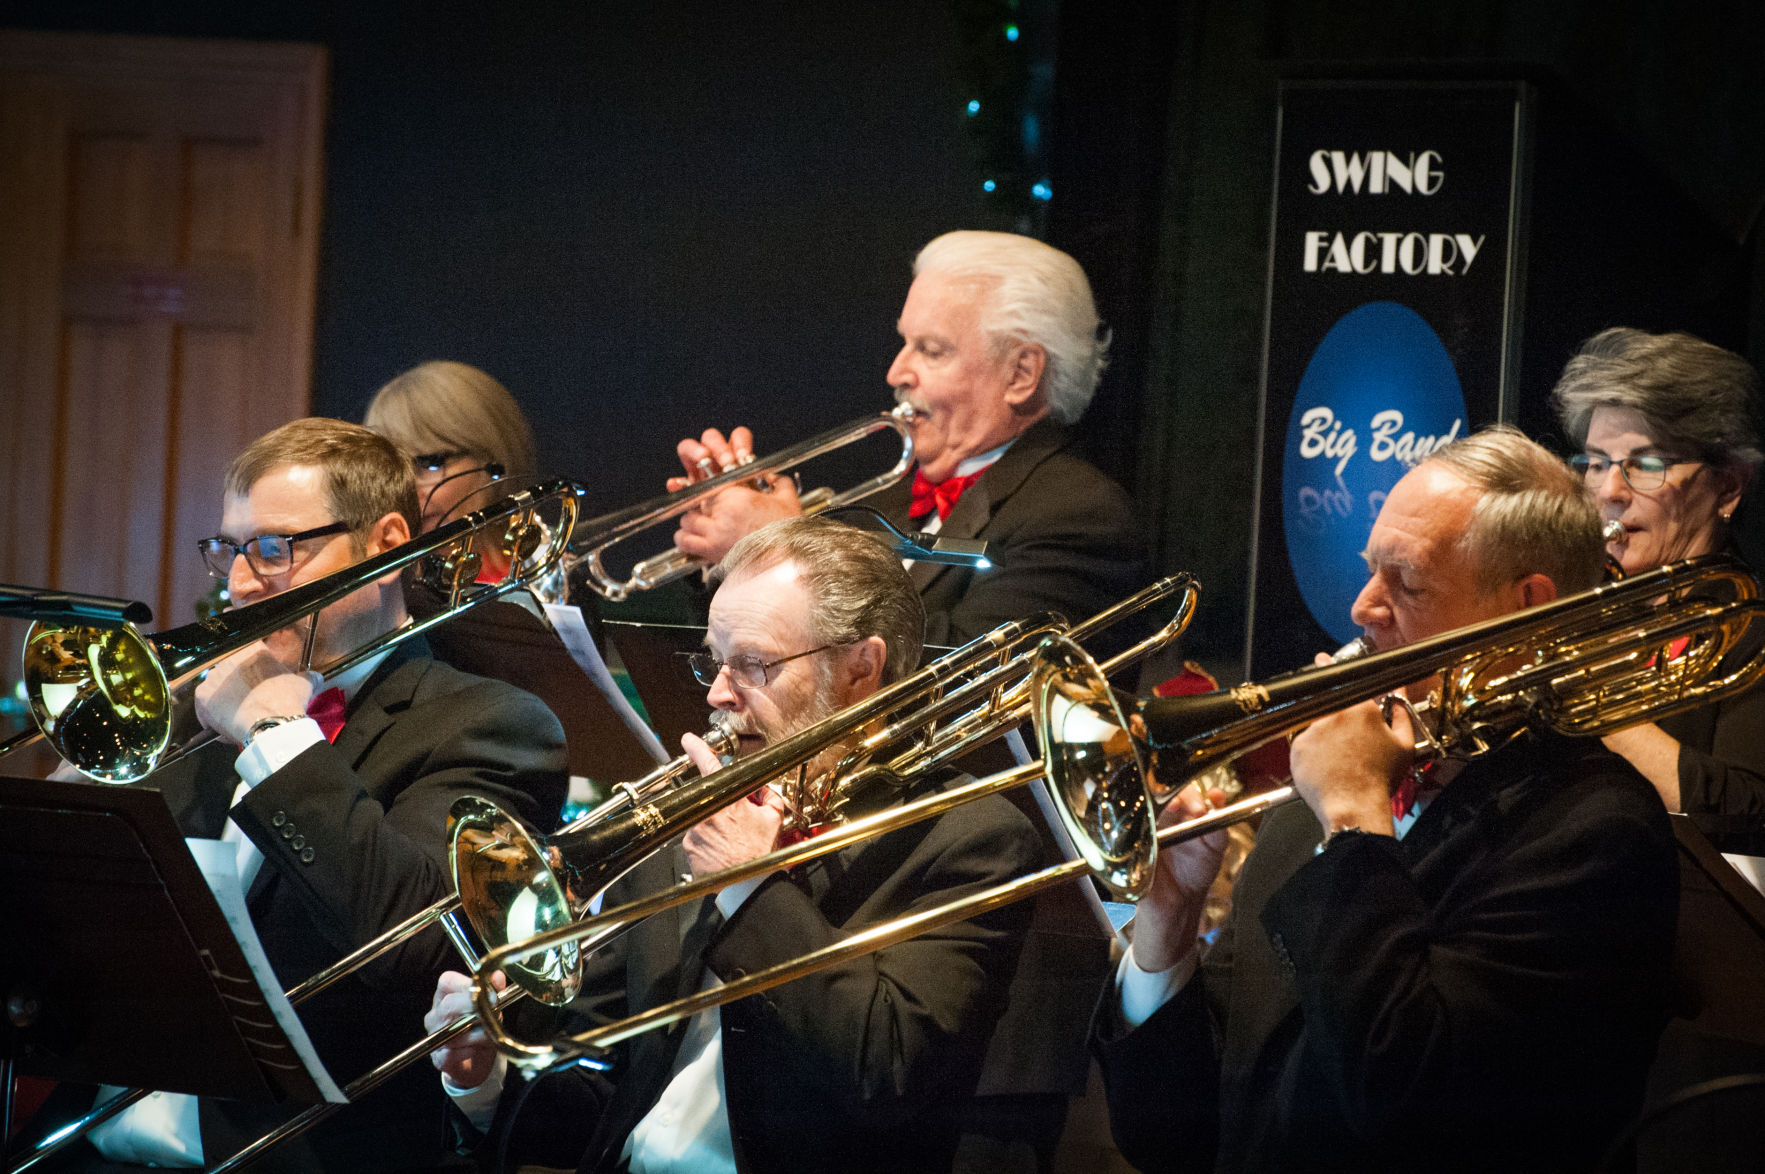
column 941, row 497
column 1419, row 784
column 327, row 709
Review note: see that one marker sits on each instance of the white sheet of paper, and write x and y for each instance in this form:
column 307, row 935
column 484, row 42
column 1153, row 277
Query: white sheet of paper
column 1108, row 919
column 567, row 620
column 1750, row 867
column 219, row 862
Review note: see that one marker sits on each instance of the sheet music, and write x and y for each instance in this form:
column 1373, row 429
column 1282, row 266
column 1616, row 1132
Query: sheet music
column 1752, row 868
column 567, row 620
column 1111, row 915
column 219, row 862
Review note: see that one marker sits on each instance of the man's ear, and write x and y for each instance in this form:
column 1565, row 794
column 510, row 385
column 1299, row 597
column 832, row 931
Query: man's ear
column 861, row 668
column 1535, row 589
column 390, row 531
column 1023, row 383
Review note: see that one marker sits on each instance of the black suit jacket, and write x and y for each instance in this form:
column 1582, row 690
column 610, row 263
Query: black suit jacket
column 862, row 1066
column 354, row 841
column 1062, row 537
column 1484, row 994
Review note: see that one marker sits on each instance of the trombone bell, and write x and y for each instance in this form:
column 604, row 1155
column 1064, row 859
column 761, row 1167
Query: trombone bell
column 1094, row 765
column 100, row 696
column 509, row 896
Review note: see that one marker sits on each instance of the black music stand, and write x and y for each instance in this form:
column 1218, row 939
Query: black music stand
column 654, row 656
column 117, row 965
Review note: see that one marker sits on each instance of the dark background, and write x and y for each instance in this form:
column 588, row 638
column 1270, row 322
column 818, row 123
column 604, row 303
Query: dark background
column 650, row 216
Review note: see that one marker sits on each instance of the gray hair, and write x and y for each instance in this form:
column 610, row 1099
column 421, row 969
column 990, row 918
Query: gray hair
column 1534, row 515
column 1693, row 395
column 856, row 585
column 1035, row 294
column 442, row 406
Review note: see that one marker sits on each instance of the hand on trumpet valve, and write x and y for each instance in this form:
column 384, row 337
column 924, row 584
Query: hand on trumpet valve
column 1169, row 916
column 712, row 453
column 249, row 686
column 714, row 525
column 466, row 1060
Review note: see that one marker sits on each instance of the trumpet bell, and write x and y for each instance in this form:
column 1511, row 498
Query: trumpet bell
column 1095, row 766
column 509, row 895
column 100, row 697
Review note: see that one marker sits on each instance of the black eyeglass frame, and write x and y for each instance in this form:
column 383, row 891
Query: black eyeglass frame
column 252, row 549
column 1583, row 464
column 706, row 667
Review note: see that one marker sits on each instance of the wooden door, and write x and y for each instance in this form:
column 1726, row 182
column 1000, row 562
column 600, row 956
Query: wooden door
column 158, row 251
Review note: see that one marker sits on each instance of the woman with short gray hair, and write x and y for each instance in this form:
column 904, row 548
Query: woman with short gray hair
column 1667, row 440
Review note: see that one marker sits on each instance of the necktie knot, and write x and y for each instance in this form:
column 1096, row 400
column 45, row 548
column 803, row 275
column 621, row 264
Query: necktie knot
column 941, row 496
column 326, row 708
column 1416, row 786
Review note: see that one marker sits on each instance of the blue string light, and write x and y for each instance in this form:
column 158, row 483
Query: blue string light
column 974, row 107
column 1011, row 32
column 1042, row 191
column 988, row 185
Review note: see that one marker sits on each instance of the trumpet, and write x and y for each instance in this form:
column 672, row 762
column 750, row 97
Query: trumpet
column 606, row 531
column 1583, row 666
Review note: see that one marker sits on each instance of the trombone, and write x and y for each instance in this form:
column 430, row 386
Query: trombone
column 105, row 698
column 1584, row 666
column 607, row 531
column 514, row 886
column 985, row 681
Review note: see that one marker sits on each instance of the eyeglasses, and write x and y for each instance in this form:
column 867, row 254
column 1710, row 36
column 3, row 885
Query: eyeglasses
column 747, row 672
column 267, row 554
column 433, row 462
column 1645, row 474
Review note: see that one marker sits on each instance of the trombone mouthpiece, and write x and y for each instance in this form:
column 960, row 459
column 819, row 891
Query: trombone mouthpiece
column 1358, row 647
column 1612, row 531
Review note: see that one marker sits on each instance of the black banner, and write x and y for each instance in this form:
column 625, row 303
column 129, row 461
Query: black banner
column 1392, row 326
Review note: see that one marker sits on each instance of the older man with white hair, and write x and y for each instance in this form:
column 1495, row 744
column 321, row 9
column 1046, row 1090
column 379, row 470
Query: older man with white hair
column 1001, row 352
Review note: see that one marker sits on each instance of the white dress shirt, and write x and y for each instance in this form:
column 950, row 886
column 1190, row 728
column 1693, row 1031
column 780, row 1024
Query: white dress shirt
column 163, row 1129
column 1141, row 992
column 687, row 1130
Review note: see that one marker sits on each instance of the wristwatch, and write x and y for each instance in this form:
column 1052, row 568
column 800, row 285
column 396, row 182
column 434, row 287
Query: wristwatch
column 270, row 723
column 1331, row 836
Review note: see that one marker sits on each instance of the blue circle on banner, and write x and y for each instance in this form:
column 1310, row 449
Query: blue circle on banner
column 1379, row 394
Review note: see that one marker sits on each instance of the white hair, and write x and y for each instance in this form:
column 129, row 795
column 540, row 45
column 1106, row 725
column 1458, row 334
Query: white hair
column 1036, row 294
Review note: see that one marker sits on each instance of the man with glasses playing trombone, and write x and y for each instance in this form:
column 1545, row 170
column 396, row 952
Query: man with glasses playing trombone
column 862, row 1066
column 336, row 794
column 1457, row 970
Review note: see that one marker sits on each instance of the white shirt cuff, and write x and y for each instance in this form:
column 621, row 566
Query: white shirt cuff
column 478, row 1104
column 1141, row 992
column 275, row 748
column 731, row 898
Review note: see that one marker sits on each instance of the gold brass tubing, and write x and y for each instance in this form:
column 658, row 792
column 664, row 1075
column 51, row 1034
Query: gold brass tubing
column 614, row 920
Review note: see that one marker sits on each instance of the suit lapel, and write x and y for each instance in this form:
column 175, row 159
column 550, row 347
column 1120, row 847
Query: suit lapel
column 387, row 692
column 976, row 507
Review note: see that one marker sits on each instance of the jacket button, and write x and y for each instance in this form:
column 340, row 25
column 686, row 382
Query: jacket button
column 306, row 857
column 278, row 819
column 288, row 831
column 297, row 843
